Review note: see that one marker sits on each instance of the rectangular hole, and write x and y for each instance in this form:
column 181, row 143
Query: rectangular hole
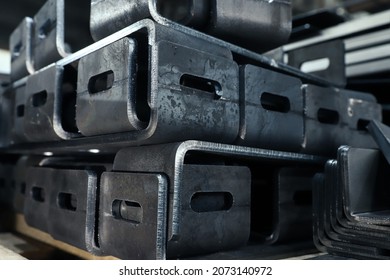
column 315, row 65
column 274, row 102
column 362, row 124
column 175, row 10
column 2, row 183
column 129, row 211
column 328, row 116
column 202, row 84
column 142, row 78
column 67, row 201
column 20, row 111
column 45, row 29
column 262, row 187
column 101, row 82
column 211, row 201
column 39, row 99
column 38, row 194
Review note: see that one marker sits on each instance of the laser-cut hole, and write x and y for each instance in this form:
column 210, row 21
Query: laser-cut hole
column 328, row 116
column 39, row 99
column 45, row 29
column 101, row 82
column 211, row 201
column 202, row 84
column 274, row 102
column 16, row 50
column 38, row 194
column 129, row 211
column 67, row 201
column 315, row 65
column 362, row 124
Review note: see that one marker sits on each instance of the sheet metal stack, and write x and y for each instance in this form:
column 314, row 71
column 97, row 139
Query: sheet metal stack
column 351, row 213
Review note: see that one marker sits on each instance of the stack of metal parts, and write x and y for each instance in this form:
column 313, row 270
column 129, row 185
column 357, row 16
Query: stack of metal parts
column 366, row 40
column 351, row 207
column 363, row 42
column 165, row 139
column 350, row 198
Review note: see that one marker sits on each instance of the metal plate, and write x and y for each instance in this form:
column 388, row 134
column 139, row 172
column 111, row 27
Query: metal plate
column 37, row 201
column 20, row 178
column 214, row 210
column 170, row 159
column 381, row 134
column 43, row 118
column 366, row 196
column 21, row 48
column 325, row 60
column 132, row 223
column 6, row 116
column 17, row 133
column 321, row 230
column 185, row 84
column 63, row 203
column 196, row 96
column 106, row 97
column 232, row 21
column 333, row 230
column 50, row 40
column 354, row 233
column 271, row 111
column 70, row 192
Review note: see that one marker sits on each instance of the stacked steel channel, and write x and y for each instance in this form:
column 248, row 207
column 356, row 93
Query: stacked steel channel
column 351, row 197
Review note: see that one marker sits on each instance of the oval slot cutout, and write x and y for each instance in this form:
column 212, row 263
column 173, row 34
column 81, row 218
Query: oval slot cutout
column 67, row 201
column 315, row 65
column 211, row 201
column 274, row 102
column 101, row 82
column 362, row 124
column 39, row 99
column 129, row 211
column 202, row 84
column 328, row 116
column 45, row 29
column 179, row 11
column 38, row 194
column 303, row 198
column 16, row 50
